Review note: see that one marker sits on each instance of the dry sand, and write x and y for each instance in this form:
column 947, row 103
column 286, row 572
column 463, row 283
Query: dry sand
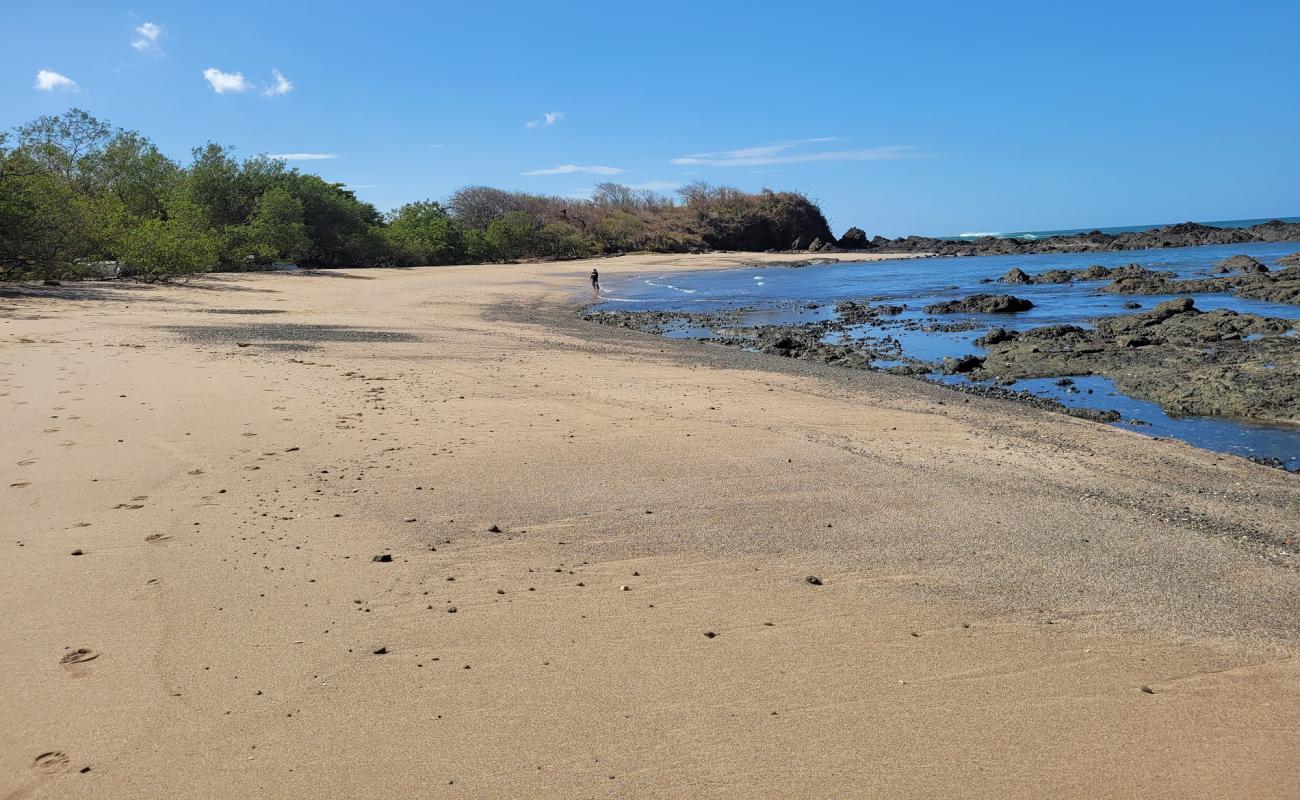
column 998, row 583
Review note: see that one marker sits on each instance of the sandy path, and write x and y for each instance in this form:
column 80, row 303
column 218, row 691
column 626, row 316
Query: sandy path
column 997, row 582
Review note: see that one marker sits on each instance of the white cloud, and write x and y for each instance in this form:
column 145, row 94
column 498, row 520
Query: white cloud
column 764, row 155
column 435, row 146
column 146, row 37
column 282, row 84
column 51, row 81
column 569, row 169
column 223, row 82
column 546, row 120
column 303, row 156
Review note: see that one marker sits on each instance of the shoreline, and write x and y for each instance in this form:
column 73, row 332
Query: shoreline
column 242, row 448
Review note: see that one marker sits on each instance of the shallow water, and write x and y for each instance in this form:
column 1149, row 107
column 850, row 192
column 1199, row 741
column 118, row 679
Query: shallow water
column 784, row 295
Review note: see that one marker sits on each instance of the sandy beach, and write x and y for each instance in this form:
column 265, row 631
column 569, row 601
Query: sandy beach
column 426, row 533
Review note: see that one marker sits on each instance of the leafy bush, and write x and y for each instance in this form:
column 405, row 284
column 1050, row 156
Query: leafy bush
column 179, row 245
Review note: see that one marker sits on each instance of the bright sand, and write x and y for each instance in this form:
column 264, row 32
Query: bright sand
column 998, row 583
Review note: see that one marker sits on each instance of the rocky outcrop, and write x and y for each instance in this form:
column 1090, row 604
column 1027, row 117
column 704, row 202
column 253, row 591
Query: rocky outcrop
column 1282, row 286
column 982, row 304
column 1186, row 234
column 854, row 239
column 1217, row 363
column 1096, row 272
column 1240, row 263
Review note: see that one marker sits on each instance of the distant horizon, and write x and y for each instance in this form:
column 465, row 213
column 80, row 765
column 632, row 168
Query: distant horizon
column 1238, row 222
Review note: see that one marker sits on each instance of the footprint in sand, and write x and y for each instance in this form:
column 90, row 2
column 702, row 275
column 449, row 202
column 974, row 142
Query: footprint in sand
column 52, row 761
column 79, row 656
column 27, row 462
column 19, row 484
column 157, row 537
column 195, row 472
column 130, row 506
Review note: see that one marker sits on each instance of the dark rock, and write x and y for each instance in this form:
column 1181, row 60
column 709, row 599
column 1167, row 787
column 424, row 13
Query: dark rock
column 709, row 634
column 1240, row 263
column 1016, row 275
column 854, row 239
column 77, row 552
column 814, row 580
column 996, row 336
column 494, row 529
column 815, row 246
column 981, row 304
column 382, row 558
column 1132, row 304
column 379, row 651
column 1095, row 414
column 955, row 366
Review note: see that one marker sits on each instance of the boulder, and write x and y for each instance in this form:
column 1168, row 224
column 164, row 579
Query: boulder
column 956, row 366
column 1016, row 275
column 982, row 304
column 1241, row 263
column 996, row 336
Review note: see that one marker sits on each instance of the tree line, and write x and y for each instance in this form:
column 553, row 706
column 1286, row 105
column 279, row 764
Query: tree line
column 76, row 192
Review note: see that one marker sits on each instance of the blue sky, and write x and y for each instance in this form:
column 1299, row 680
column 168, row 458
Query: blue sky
column 914, row 117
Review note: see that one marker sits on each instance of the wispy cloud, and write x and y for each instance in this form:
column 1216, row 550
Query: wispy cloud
column 51, row 81
column 282, row 84
column 147, row 36
column 223, row 82
column 435, row 146
column 303, row 156
column 795, row 152
column 546, row 120
column 570, row 169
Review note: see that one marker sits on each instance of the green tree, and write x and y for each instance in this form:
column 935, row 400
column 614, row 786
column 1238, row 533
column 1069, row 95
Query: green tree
column 424, row 233
column 182, row 244
column 276, row 230
column 509, row 237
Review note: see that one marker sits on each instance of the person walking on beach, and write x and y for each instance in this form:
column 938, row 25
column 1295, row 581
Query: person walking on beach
column 595, row 281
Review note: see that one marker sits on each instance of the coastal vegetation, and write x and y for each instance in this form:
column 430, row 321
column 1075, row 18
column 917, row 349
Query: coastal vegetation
column 80, row 197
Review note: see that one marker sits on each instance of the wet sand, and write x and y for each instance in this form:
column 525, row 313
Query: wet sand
column 998, row 584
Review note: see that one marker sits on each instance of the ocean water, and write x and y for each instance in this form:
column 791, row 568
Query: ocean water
column 786, row 295
column 1227, row 223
